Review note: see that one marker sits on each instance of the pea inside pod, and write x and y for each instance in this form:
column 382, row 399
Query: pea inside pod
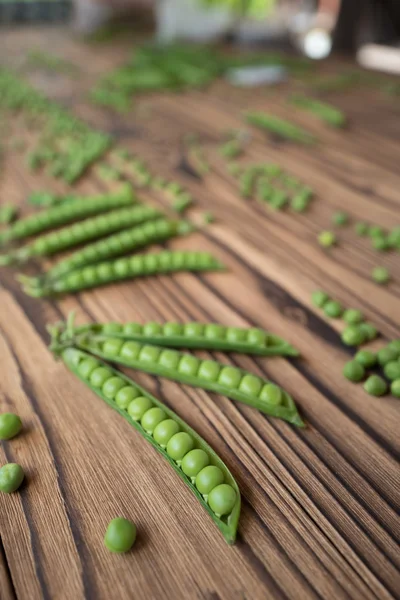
column 187, row 453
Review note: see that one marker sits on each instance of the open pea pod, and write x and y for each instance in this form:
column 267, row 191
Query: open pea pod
column 199, row 336
column 232, row 382
column 156, row 423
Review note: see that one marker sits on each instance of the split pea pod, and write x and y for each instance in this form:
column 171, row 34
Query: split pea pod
column 80, row 233
column 229, row 381
column 199, row 336
column 187, row 453
column 74, row 210
column 114, row 245
column 130, row 267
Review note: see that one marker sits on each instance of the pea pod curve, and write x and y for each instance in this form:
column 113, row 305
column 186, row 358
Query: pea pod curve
column 133, row 403
column 198, row 336
column 228, row 381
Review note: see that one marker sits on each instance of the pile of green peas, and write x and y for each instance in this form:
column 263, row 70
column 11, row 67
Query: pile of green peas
column 387, row 359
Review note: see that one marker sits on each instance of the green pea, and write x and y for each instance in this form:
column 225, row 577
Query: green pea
column 164, row 431
column 105, row 272
column 173, row 329
column 120, row 535
column 87, row 366
column 179, row 445
column 272, row 394
column 319, row 298
column 122, row 267
column 333, row 309
column 386, row 355
column 353, row 336
column 376, row 230
column 194, row 330
column 352, row 316
column 99, row 376
column 380, row 275
column 370, row 331
column 110, row 328
column 11, row 477
column 395, row 388
column 327, row 239
column 366, row 358
column 340, row 218
column 208, row 479
column 133, row 329
column 138, row 407
column 112, row 347
column 214, row 332
column 394, row 345
column 112, row 386
column 375, row 385
column 10, row 426
column 392, row 370
column 209, row 370
column 149, row 354
column 299, row 203
column 130, row 350
column 361, row 228
column 189, row 365
column 89, row 275
column 354, row 371
column 256, row 337
column 169, row 359
column 150, row 329
column 222, row 499
column 73, row 280
column 380, row 243
column 236, row 334
column 152, row 418
column 230, row 377
column 250, row 385
column 125, row 396
column 194, row 461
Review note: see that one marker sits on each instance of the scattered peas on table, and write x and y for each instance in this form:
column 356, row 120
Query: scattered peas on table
column 11, row 478
column 120, row 535
column 10, row 425
column 327, row 239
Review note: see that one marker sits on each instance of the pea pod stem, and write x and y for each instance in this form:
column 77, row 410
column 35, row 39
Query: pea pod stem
column 285, row 410
column 227, row 525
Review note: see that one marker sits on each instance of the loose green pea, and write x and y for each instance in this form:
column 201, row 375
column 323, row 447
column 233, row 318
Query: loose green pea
column 386, row 355
column 375, row 386
column 120, row 535
column 125, row 396
column 319, row 298
column 272, row 394
column 380, row 243
column 164, row 431
column 352, row 316
column 376, row 231
column 11, row 477
column 194, row 461
column 365, row 358
column 99, row 376
column 179, row 445
column 222, row 499
column 353, row 336
column 209, row 370
column 152, row 418
column 208, row 479
column 380, row 275
column 394, row 345
column 333, row 309
column 87, row 366
column 340, row 218
column 112, row 386
column 10, row 426
column 327, row 239
column 395, row 388
column 299, row 203
column 354, row 371
column 138, row 407
column 361, row 228
column 369, row 330
column 392, row 370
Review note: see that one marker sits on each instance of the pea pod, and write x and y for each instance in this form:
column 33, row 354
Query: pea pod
column 280, row 127
column 326, row 112
column 128, row 267
column 229, row 381
column 200, row 336
column 178, row 443
column 74, row 210
column 80, row 233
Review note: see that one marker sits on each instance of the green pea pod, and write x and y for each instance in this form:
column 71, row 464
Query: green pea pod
column 199, row 336
column 280, row 127
column 118, row 391
column 232, row 382
column 326, row 112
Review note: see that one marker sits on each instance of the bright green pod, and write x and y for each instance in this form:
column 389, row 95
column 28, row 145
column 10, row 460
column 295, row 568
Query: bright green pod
column 206, row 374
column 200, row 336
column 226, row 522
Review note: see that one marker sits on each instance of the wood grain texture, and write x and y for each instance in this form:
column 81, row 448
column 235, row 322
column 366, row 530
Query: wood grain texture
column 320, row 506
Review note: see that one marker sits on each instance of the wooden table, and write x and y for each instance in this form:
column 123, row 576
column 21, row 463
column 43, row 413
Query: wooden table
column 319, row 505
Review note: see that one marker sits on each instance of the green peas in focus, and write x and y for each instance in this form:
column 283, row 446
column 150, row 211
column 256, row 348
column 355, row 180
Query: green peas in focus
column 208, row 479
column 222, row 499
column 164, row 431
column 375, row 386
column 354, row 371
column 120, row 535
column 138, row 407
column 272, row 394
column 11, row 477
column 194, row 461
column 112, row 386
column 10, row 426
column 179, row 445
column 152, row 418
column 125, row 396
